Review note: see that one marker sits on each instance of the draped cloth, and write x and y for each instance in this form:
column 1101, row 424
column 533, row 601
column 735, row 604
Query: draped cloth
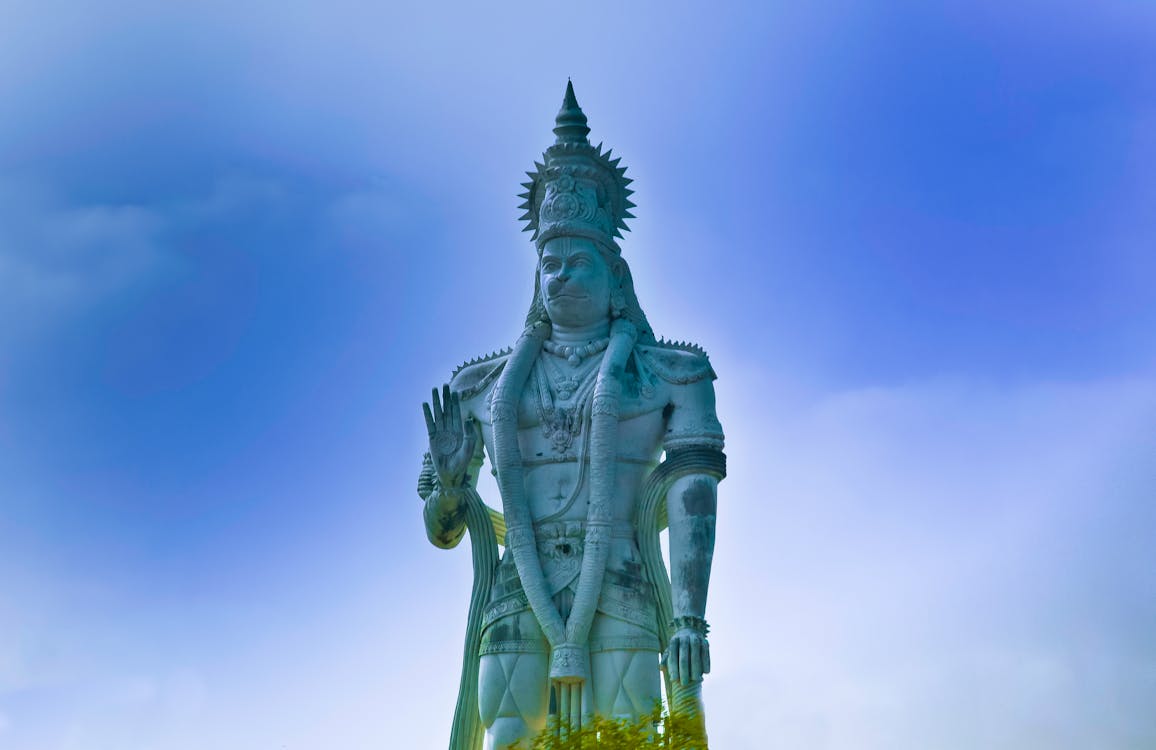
column 468, row 732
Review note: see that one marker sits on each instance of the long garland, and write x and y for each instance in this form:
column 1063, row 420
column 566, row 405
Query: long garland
column 508, row 463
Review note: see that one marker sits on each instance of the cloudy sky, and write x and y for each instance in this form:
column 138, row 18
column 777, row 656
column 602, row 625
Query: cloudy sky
column 240, row 242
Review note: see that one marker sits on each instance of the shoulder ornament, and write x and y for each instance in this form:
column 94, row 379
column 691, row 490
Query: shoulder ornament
column 472, row 377
column 677, row 362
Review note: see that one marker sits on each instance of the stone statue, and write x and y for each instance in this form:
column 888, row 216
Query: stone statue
column 600, row 437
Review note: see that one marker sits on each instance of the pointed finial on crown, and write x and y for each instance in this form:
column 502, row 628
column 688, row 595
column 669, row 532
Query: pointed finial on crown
column 570, row 124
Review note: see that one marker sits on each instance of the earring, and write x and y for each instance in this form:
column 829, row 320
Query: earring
column 617, row 304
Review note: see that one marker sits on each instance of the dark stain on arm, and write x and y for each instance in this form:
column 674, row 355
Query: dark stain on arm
column 699, row 498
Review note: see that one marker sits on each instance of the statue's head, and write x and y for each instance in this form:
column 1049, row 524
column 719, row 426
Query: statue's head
column 577, row 281
column 577, row 202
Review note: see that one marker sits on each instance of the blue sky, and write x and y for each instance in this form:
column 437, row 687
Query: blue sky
column 238, row 245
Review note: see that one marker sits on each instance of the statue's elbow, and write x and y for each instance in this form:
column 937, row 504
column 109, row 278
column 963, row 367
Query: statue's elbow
column 445, row 522
column 444, row 538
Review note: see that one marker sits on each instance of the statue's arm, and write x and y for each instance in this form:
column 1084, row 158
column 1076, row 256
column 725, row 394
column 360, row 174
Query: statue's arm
column 691, row 505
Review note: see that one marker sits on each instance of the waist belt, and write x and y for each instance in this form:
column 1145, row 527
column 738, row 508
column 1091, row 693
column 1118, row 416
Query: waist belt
column 551, row 530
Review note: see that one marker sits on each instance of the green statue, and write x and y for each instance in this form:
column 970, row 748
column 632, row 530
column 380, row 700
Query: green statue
column 600, row 437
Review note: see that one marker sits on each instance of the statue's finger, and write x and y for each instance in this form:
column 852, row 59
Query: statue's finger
column 695, row 660
column 429, row 420
column 705, row 656
column 672, row 660
column 456, row 411
column 684, row 664
column 439, row 417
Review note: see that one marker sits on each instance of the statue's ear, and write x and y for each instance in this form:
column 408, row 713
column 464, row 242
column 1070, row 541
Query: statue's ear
column 617, row 291
column 618, row 271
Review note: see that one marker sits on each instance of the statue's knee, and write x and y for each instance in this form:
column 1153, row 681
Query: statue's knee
column 491, row 687
column 506, row 732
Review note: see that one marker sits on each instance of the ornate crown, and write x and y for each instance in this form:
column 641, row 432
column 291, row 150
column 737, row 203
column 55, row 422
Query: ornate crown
column 579, row 191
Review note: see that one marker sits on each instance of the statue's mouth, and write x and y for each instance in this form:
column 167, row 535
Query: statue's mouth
column 568, row 296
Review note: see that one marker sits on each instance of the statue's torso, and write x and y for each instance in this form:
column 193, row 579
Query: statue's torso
column 554, row 429
column 554, row 433
column 658, row 407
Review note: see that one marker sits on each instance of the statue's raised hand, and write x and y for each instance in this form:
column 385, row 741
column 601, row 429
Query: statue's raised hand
column 451, row 440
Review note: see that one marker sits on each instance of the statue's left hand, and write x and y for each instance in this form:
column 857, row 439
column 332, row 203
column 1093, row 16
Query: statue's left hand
column 451, row 440
column 687, row 656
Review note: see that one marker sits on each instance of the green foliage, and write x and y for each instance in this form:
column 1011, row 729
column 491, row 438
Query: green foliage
column 654, row 731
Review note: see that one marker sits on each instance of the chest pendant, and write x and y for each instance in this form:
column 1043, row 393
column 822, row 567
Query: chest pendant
column 562, row 424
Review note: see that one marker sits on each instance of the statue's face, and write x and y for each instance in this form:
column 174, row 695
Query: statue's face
column 575, row 282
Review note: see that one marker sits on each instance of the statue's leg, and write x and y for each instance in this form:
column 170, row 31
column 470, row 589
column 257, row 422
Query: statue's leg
column 626, row 681
column 513, row 686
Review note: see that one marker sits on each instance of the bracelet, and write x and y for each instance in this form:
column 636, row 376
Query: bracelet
column 450, row 491
column 690, row 622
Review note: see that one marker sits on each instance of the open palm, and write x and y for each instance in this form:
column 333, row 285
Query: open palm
column 451, row 440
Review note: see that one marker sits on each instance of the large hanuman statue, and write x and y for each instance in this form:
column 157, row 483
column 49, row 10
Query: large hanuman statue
column 600, row 437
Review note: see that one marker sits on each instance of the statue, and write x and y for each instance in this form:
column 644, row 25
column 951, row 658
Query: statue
column 571, row 621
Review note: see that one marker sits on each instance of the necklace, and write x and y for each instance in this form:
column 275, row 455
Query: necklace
column 575, row 353
column 562, row 424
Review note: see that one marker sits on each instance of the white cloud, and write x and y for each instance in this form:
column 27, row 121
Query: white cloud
column 58, row 259
column 947, row 564
column 941, row 565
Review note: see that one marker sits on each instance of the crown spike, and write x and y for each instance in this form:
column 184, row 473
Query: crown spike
column 570, row 124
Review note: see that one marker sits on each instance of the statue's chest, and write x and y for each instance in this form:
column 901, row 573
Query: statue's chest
column 557, row 393
column 555, row 406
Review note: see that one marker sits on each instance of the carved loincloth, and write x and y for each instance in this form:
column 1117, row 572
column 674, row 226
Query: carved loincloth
column 508, row 625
